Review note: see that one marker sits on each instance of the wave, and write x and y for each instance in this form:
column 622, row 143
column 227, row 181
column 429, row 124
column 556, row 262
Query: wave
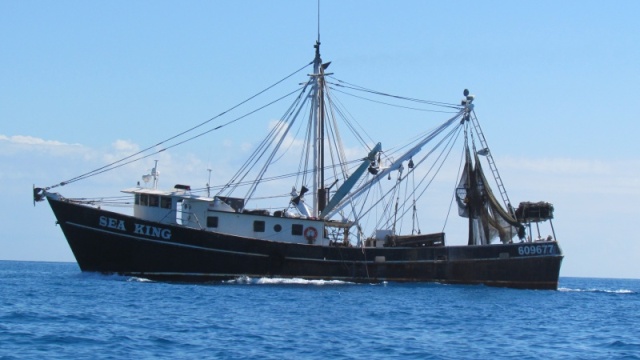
column 626, row 350
column 102, row 277
column 285, row 281
column 592, row 290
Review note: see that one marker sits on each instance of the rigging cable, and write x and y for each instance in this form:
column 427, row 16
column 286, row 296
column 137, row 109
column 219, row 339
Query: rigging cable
column 430, row 136
column 350, row 121
column 122, row 162
column 454, row 130
column 262, row 147
column 454, row 190
column 285, row 130
column 389, row 104
column 452, row 141
column 174, row 145
column 339, row 168
column 360, row 88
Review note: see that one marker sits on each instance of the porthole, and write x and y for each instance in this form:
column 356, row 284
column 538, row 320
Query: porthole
column 277, row 228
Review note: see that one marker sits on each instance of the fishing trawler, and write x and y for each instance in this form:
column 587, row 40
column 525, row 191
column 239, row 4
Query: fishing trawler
column 351, row 218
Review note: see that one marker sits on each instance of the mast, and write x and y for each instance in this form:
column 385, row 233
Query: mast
column 320, row 198
column 317, row 61
column 321, row 194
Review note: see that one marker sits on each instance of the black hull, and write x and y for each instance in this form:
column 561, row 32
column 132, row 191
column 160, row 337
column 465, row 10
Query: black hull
column 108, row 242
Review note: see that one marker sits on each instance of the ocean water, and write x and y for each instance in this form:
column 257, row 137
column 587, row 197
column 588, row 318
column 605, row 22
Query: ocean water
column 53, row 311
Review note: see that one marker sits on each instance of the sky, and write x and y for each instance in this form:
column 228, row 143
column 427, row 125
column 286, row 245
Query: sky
column 86, row 83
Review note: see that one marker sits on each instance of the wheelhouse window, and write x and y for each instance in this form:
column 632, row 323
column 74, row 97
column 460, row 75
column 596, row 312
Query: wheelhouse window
column 296, row 229
column 258, row 226
column 212, row 221
column 165, row 202
column 154, row 200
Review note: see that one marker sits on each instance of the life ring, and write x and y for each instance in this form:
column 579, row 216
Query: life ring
column 310, row 233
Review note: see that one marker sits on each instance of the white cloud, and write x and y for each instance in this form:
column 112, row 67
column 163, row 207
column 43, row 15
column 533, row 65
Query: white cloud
column 30, row 140
column 119, row 150
column 560, row 165
column 10, row 145
column 125, row 146
column 584, row 176
column 245, row 146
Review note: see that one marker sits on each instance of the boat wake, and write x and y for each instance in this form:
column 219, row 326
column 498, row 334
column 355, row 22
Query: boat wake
column 605, row 291
column 285, row 281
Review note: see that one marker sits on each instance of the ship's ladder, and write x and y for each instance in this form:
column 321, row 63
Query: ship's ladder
column 492, row 164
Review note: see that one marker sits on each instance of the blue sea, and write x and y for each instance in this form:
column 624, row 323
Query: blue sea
column 53, row 311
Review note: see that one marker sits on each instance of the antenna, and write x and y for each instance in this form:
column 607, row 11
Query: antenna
column 318, row 21
column 209, row 184
column 155, row 174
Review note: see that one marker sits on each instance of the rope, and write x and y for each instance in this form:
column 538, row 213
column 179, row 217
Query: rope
column 454, row 191
column 360, row 88
column 122, row 162
column 394, row 105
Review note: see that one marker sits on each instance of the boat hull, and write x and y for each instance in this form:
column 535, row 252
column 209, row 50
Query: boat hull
column 108, row 242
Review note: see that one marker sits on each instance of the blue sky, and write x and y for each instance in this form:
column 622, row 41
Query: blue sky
column 83, row 83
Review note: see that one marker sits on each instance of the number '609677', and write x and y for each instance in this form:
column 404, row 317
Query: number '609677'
column 542, row 249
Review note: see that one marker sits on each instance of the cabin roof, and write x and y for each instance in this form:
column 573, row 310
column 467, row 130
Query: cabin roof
column 176, row 193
